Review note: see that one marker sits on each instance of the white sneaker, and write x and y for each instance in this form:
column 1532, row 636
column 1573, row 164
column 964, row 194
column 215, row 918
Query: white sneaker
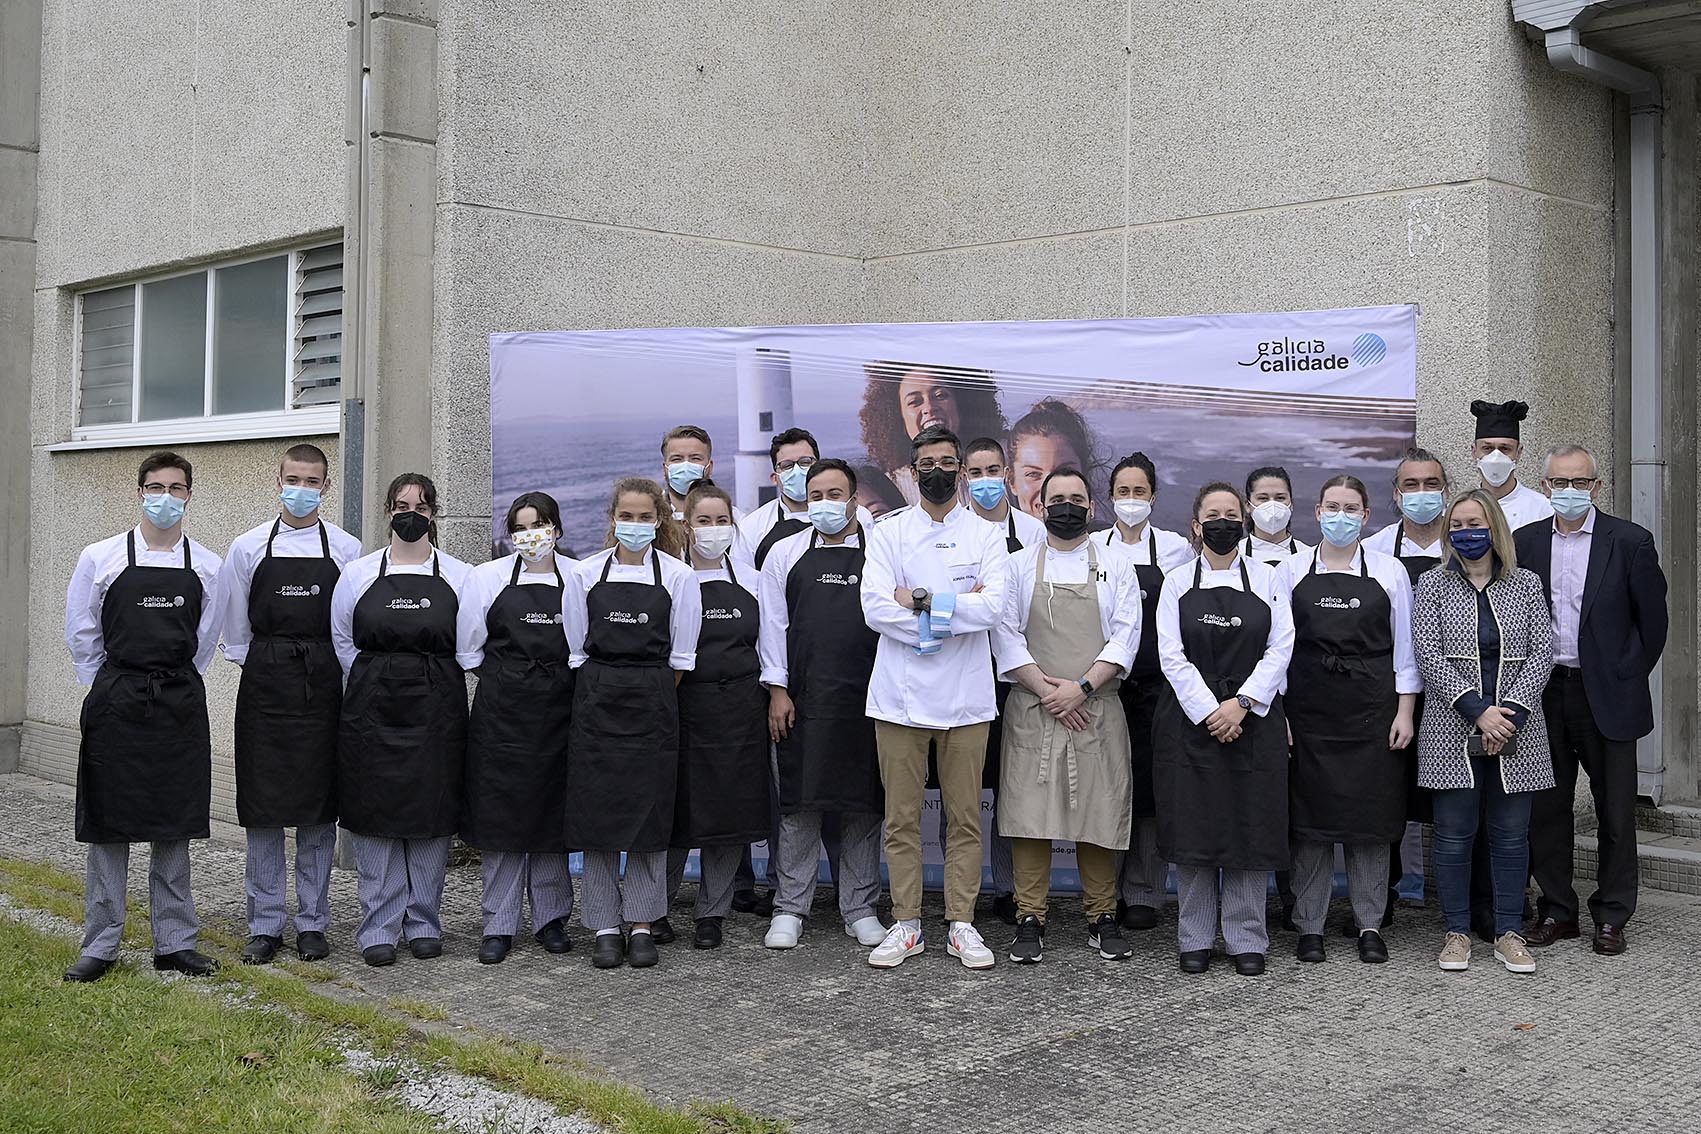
column 900, row 943
column 964, row 943
column 783, row 931
column 866, row 930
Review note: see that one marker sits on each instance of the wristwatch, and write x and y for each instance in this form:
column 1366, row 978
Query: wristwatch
column 1245, row 701
column 1086, row 686
column 919, row 598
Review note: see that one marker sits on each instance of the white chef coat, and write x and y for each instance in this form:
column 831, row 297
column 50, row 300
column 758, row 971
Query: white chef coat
column 1029, row 531
column 245, row 555
column 755, row 526
column 685, row 615
column 744, row 573
column 358, row 577
column 771, row 598
column 101, row 563
column 1118, row 586
column 1173, row 549
column 953, row 686
column 1389, row 542
column 1269, row 676
column 484, row 584
column 1389, row 572
column 1277, row 553
column 1524, row 505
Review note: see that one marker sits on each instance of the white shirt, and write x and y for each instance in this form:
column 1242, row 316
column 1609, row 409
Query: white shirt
column 755, row 526
column 1524, row 505
column 484, row 584
column 1269, row 553
column 246, row 553
column 1388, row 541
column 101, row 563
column 1569, row 574
column 1391, row 573
column 1269, row 676
column 771, row 598
column 685, row 613
column 1029, row 531
column 953, row 686
column 1118, row 589
column 358, row 578
column 1173, row 549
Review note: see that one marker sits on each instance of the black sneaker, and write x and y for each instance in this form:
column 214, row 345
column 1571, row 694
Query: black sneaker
column 1029, row 946
column 1105, row 935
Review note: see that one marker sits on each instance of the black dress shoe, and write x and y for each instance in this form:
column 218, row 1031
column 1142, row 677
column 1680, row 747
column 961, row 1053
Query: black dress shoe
column 1549, row 930
column 425, row 948
column 609, row 952
column 493, row 950
column 1608, row 940
column 1004, row 908
column 661, row 930
column 312, row 946
column 1309, row 949
column 261, row 949
column 1196, row 961
column 641, row 950
column 1248, row 964
column 708, row 934
column 553, row 937
column 379, row 955
column 1372, row 950
column 88, row 969
column 186, row 961
column 1139, row 917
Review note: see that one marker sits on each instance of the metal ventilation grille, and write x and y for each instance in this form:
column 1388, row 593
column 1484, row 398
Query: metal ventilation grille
column 318, row 328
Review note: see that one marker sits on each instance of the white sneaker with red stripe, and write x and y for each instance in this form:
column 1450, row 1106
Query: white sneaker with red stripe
column 902, row 942
column 964, row 943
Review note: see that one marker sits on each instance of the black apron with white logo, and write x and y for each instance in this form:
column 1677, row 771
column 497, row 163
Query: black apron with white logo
column 1344, row 785
column 828, row 761
column 1420, row 806
column 623, row 752
column 291, row 694
column 403, row 740
column 1222, row 804
column 1145, row 684
column 723, row 726
column 516, row 784
column 786, row 526
column 144, row 770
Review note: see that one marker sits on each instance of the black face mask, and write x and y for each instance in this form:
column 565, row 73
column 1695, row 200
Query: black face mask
column 1220, row 536
column 410, row 526
column 936, row 484
column 1065, row 520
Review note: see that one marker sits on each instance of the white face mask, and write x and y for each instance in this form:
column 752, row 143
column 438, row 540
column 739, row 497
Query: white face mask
column 1133, row 512
column 1272, row 516
column 712, row 542
column 1496, row 468
column 534, row 543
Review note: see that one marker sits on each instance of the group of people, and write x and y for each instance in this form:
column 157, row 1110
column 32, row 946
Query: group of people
column 1228, row 700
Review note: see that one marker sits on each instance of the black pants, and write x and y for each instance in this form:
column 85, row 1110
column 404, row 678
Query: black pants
column 1611, row 766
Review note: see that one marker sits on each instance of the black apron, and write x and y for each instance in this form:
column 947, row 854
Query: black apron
column 623, row 752
column 1145, row 685
column 1222, row 804
column 786, row 525
column 516, row 784
column 1344, row 785
column 828, row 761
column 1420, row 805
column 291, row 694
column 1000, row 694
column 723, row 727
column 145, row 766
column 403, row 740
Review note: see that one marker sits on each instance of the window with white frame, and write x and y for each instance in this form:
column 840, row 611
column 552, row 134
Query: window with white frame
column 246, row 348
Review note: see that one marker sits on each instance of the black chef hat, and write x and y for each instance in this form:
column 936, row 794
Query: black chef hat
column 1499, row 420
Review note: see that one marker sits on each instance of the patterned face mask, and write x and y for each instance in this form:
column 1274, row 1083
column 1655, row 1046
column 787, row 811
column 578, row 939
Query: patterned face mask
column 534, row 543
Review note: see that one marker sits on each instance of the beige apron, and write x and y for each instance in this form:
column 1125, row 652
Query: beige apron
column 1059, row 784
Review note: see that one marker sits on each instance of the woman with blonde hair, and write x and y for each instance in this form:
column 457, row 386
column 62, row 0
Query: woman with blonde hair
column 1481, row 629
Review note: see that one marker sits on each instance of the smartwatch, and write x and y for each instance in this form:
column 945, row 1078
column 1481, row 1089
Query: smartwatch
column 1086, row 686
column 1245, row 701
column 919, row 598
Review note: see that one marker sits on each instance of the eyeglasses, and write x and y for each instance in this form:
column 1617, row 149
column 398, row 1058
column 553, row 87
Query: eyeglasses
column 800, row 463
column 155, row 488
column 1331, row 509
column 1564, row 482
column 928, row 464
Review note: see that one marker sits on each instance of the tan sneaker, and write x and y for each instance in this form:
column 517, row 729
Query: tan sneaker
column 1514, row 954
column 1456, row 953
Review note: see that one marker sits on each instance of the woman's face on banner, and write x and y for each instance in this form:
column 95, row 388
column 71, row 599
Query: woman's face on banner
column 924, row 400
column 1035, row 456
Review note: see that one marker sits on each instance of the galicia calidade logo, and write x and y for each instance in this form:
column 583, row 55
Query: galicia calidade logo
column 177, row 600
column 737, row 613
column 1354, row 603
column 1369, row 349
column 851, row 580
column 314, row 589
column 425, row 604
column 643, row 617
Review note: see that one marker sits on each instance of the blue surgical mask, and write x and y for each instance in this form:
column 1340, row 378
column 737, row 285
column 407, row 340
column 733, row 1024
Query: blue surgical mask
column 1420, row 507
column 681, row 476
column 987, row 491
column 1472, row 543
column 794, row 482
column 1340, row 528
column 301, row 501
column 164, row 510
column 634, row 536
column 1572, row 503
column 828, row 516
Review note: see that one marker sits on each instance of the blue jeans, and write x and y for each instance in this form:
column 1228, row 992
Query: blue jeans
column 1456, row 813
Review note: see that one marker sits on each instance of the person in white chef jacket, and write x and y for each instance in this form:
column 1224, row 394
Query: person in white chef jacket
column 1496, row 452
column 933, row 588
column 1269, row 539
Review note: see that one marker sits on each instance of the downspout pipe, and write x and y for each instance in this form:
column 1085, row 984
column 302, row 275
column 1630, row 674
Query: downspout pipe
column 1648, row 505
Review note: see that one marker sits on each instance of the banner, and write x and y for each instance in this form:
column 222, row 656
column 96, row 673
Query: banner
column 1206, row 397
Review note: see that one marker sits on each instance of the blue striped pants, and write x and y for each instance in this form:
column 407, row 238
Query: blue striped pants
column 266, row 879
column 607, row 901
column 171, row 906
column 401, row 888
column 1242, row 901
column 512, row 876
